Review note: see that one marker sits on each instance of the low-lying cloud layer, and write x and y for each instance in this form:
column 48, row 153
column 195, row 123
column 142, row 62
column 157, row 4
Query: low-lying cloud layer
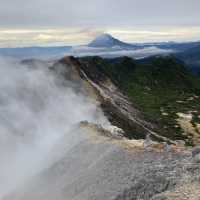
column 118, row 52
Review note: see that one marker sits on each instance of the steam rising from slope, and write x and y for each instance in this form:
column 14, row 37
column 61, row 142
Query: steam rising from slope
column 37, row 108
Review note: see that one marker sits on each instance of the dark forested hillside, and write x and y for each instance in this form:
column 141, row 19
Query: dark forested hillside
column 162, row 88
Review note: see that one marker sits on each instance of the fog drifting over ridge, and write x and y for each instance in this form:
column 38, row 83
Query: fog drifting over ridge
column 37, row 109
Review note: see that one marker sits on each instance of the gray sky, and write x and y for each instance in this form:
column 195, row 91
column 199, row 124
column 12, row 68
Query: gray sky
column 97, row 13
column 93, row 16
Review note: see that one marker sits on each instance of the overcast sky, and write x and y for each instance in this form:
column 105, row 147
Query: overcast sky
column 83, row 19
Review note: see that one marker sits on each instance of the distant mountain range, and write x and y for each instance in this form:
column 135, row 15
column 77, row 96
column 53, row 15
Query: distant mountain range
column 106, row 45
column 108, row 41
column 187, row 52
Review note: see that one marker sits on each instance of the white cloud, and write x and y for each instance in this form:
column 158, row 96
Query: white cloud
column 45, row 37
column 117, row 52
column 157, row 34
column 77, row 36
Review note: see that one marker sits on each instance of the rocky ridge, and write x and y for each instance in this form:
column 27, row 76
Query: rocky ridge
column 116, row 106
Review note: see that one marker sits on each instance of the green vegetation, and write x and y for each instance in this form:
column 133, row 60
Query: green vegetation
column 160, row 88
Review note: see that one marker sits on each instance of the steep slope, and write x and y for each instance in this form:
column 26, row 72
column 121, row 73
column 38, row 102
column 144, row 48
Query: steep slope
column 160, row 89
column 117, row 107
column 106, row 40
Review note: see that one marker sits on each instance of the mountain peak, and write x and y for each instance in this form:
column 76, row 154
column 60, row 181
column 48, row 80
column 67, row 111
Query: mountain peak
column 107, row 40
column 105, row 36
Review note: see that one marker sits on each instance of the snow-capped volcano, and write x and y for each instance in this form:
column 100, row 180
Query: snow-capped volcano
column 106, row 40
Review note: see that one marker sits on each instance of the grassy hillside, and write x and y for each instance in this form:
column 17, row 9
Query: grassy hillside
column 160, row 88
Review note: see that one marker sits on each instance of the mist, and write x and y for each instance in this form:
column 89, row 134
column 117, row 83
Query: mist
column 119, row 52
column 38, row 108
